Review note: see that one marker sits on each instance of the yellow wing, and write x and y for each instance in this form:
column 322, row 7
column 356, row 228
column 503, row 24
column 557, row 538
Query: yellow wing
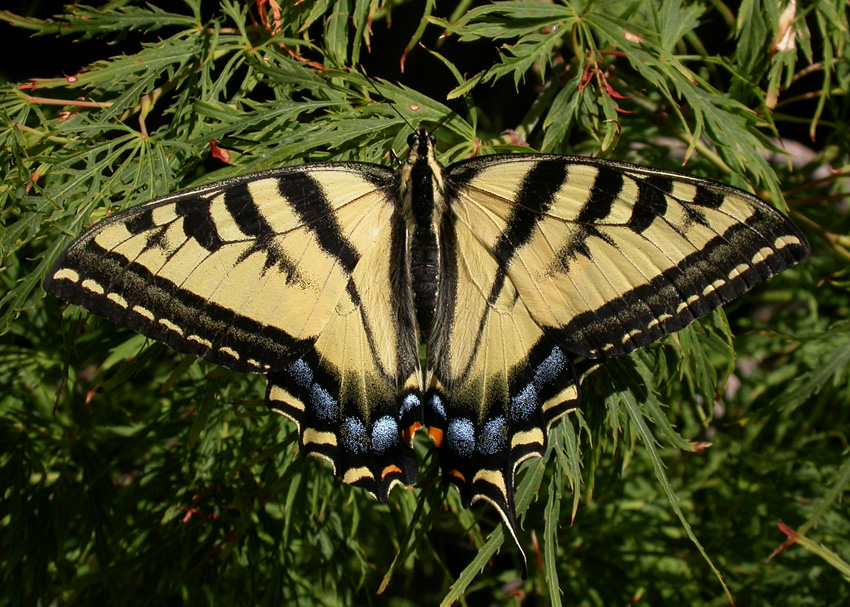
column 614, row 256
column 551, row 262
column 285, row 273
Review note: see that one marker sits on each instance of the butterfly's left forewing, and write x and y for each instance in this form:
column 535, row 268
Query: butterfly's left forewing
column 610, row 257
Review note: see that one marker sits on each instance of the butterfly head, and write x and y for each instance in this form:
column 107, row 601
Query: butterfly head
column 421, row 144
column 423, row 174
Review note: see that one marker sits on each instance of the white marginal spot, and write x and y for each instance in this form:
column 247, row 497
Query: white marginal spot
column 170, row 325
column 254, row 363
column 143, row 312
column 607, row 347
column 628, row 336
column 738, row 270
column 587, row 372
column 320, row 455
column 525, row 457
column 352, row 475
column 786, row 241
column 692, row 299
column 681, row 307
column 558, row 415
column 659, row 320
column 493, row 477
column 529, row 437
column 281, row 395
column 117, row 299
column 284, row 413
column 762, row 254
column 319, row 438
column 230, row 352
column 92, row 285
column 568, row 394
column 200, row 340
column 66, row 274
column 713, row 286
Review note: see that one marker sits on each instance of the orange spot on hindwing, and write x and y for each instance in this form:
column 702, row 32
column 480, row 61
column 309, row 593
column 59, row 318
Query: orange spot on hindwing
column 407, row 433
column 390, row 470
column 457, row 475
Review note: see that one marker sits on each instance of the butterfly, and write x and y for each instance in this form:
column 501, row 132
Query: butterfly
column 517, row 273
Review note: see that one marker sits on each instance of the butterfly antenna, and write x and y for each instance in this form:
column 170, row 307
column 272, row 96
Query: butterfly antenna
column 393, row 107
column 449, row 115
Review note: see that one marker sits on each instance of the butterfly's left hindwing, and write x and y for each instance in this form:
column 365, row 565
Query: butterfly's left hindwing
column 497, row 382
column 285, row 273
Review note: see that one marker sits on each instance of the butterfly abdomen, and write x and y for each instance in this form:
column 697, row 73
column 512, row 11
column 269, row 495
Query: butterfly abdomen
column 425, row 258
column 419, row 196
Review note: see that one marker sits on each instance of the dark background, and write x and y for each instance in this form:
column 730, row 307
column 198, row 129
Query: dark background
column 25, row 56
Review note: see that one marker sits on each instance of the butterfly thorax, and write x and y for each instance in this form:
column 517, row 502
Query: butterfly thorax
column 421, row 190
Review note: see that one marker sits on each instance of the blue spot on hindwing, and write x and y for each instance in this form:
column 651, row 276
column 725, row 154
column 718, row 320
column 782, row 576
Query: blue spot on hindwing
column 549, row 370
column 524, row 403
column 460, row 436
column 436, row 404
column 384, row 434
column 301, row 373
column 353, row 437
column 410, row 402
column 493, row 436
column 323, row 404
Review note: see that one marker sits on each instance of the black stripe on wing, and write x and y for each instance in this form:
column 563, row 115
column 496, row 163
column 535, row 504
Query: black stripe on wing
column 310, row 203
column 129, row 294
column 727, row 266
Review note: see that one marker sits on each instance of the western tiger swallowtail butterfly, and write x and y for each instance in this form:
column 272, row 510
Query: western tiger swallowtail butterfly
column 516, row 272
